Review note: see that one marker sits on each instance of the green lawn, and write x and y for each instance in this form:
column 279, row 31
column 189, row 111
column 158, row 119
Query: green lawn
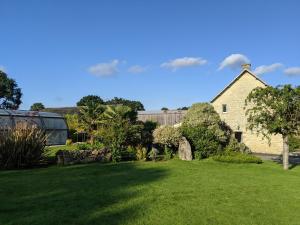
column 162, row 193
column 51, row 150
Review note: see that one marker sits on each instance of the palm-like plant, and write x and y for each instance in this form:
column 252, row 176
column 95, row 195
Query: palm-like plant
column 90, row 115
column 116, row 112
column 119, row 129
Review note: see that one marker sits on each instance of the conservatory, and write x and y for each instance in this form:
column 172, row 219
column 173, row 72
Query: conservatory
column 53, row 124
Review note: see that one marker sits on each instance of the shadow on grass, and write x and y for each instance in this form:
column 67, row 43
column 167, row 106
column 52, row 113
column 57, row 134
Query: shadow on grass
column 81, row 194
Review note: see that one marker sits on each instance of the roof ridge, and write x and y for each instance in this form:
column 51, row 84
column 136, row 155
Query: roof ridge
column 235, row 79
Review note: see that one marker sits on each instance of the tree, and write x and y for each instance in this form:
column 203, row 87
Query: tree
column 90, row 115
column 147, row 133
column 10, row 93
column 164, row 109
column 74, row 125
column 37, row 106
column 134, row 105
column 275, row 111
column 86, row 100
column 118, row 130
column 183, row 108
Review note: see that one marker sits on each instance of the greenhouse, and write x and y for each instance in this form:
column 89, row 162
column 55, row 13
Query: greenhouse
column 53, row 124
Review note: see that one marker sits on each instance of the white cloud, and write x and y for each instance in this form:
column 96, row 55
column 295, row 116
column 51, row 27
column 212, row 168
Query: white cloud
column 183, row 62
column 292, row 71
column 2, row 68
column 105, row 69
column 137, row 69
column 267, row 68
column 234, row 61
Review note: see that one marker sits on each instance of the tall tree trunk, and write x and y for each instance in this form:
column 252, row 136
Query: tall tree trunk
column 285, row 153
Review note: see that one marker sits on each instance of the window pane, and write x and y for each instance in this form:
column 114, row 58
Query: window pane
column 224, row 108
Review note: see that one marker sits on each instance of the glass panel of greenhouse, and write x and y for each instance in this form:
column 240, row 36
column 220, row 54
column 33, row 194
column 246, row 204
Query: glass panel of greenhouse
column 53, row 124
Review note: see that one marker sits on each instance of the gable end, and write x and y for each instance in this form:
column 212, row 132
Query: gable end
column 235, row 80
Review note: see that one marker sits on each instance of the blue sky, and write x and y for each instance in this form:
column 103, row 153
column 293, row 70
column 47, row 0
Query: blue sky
column 163, row 53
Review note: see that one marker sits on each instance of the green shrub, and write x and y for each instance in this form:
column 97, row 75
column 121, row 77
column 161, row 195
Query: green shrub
column 168, row 153
column 97, row 145
column 21, row 146
column 197, row 155
column 116, row 154
column 205, row 131
column 294, row 143
column 147, row 133
column 167, row 135
column 235, row 146
column 69, row 142
column 83, row 146
column 141, row 153
column 129, row 153
column 237, row 158
column 153, row 154
column 204, row 141
column 204, row 115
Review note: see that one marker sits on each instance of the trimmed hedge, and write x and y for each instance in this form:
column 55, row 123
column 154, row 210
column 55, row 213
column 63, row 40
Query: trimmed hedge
column 237, row 158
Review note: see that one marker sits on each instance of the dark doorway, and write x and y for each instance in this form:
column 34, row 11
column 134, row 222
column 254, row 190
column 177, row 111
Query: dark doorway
column 238, row 136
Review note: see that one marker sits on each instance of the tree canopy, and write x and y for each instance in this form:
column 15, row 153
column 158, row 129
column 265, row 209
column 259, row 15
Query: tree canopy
column 10, row 93
column 275, row 111
column 90, row 115
column 183, row 108
column 118, row 129
column 86, row 100
column 38, row 106
column 134, row 105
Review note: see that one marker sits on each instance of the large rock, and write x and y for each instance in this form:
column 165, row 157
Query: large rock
column 185, row 150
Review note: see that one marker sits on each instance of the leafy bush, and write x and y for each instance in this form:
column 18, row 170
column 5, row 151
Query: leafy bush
column 294, row 143
column 147, row 133
column 198, row 155
column 74, row 126
column 129, row 153
column 205, row 131
column 97, row 145
column 204, row 141
column 116, row 154
column 167, row 135
column 141, row 153
column 118, row 130
column 88, row 146
column 21, row 146
column 83, row 146
column 237, row 158
column 69, row 142
column 235, row 146
column 153, row 154
column 168, row 153
column 204, row 115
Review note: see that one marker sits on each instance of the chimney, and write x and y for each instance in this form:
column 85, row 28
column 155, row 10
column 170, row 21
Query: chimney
column 246, row 66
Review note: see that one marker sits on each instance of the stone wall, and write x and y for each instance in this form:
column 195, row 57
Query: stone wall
column 65, row 157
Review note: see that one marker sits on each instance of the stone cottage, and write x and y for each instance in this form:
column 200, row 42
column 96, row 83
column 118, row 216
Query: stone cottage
column 230, row 103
